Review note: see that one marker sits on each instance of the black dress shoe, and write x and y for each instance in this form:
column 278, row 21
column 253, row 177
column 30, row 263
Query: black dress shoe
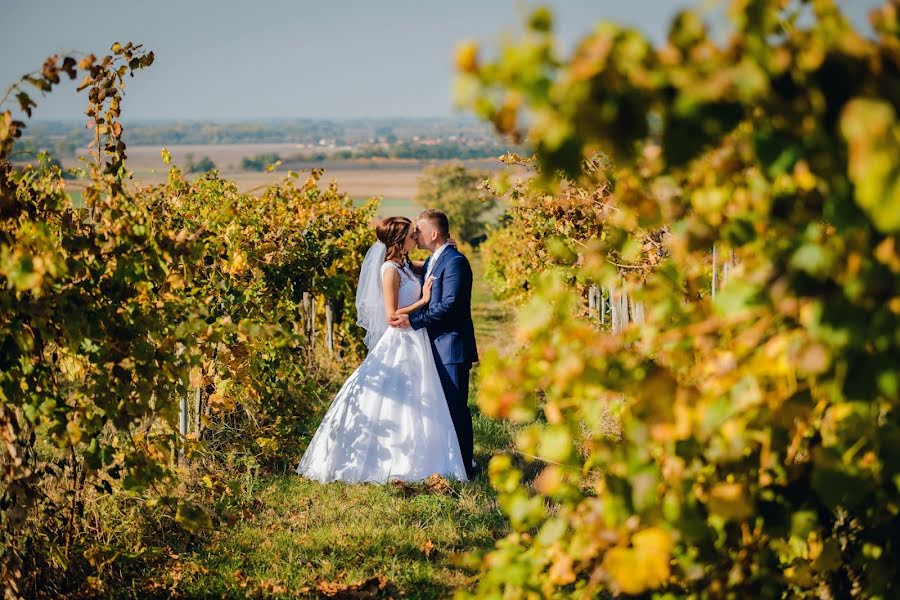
column 473, row 471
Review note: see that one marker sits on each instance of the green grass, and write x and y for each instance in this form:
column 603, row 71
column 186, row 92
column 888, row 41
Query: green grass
column 300, row 534
column 304, row 533
column 492, row 318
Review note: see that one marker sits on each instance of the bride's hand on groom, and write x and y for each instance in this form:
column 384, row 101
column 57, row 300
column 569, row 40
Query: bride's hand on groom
column 426, row 290
column 401, row 321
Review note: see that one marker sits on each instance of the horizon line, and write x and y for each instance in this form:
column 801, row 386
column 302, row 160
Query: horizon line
column 462, row 117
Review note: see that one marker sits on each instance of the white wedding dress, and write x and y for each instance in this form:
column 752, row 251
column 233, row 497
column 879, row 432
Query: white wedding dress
column 390, row 419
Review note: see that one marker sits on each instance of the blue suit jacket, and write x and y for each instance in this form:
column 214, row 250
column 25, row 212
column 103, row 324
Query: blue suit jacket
column 448, row 316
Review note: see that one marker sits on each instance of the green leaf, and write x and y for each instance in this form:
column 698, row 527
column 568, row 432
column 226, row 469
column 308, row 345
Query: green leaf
column 838, row 485
column 25, row 103
column 815, row 259
column 541, row 20
column 524, row 511
column 873, row 135
column 738, row 295
column 555, row 443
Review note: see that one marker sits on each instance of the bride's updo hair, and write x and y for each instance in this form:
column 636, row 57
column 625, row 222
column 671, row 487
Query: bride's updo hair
column 392, row 233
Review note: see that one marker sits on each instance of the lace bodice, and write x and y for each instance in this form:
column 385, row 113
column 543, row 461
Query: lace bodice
column 410, row 288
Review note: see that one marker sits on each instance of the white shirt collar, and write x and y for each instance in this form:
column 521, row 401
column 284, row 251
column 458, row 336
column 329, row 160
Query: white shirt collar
column 434, row 257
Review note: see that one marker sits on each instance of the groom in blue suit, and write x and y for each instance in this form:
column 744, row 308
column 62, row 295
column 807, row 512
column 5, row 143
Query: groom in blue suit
column 448, row 320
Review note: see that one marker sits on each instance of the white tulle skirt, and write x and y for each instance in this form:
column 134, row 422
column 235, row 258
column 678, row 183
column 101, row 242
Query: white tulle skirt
column 389, row 421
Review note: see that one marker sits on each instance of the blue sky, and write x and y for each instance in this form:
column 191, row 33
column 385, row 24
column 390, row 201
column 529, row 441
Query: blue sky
column 306, row 58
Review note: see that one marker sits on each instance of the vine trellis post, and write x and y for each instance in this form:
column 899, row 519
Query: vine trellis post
column 624, row 309
column 183, row 423
column 307, row 321
column 615, row 300
column 329, row 328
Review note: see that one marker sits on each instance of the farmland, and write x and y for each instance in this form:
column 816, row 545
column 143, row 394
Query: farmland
column 394, row 180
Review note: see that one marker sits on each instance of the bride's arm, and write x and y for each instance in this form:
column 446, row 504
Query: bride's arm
column 420, row 303
column 391, row 285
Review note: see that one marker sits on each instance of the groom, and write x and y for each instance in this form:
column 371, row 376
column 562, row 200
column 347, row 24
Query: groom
column 448, row 320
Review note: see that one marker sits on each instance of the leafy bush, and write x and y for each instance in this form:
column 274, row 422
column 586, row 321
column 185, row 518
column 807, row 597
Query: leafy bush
column 113, row 313
column 456, row 190
column 202, row 166
column 760, row 435
column 537, row 229
column 259, row 162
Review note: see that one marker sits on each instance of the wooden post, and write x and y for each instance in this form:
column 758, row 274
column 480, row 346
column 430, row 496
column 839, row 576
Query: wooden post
column 637, row 312
column 614, row 310
column 307, row 304
column 183, row 417
column 592, row 301
column 312, row 321
column 602, row 308
column 198, row 405
column 329, row 327
column 182, row 423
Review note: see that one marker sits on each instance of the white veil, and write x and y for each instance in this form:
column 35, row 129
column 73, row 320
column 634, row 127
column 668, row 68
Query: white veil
column 370, row 312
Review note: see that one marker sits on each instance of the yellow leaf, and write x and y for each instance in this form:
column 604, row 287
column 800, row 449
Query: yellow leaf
column 561, row 572
column 730, row 501
column 467, row 57
column 873, row 138
column 549, row 481
column 238, row 263
column 220, row 401
column 653, row 539
column 643, row 567
column 74, row 431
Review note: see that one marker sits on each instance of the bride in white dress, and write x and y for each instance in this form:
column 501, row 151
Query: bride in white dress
column 390, row 419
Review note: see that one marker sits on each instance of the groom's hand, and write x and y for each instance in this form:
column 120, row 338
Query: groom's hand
column 400, row 321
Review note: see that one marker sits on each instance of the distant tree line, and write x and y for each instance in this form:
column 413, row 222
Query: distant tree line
column 411, row 150
column 457, row 191
column 202, row 166
column 295, row 131
column 30, row 151
column 259, row 162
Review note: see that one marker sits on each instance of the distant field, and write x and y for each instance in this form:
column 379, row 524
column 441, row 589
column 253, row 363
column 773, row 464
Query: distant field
column 394, row 180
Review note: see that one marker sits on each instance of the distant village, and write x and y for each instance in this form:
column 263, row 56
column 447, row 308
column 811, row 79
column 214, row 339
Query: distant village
column 309, row 139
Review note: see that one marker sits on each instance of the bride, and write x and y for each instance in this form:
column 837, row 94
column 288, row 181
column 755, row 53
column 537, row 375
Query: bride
column 390, row 419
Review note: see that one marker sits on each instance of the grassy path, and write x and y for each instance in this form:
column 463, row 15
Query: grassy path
column 310, row 540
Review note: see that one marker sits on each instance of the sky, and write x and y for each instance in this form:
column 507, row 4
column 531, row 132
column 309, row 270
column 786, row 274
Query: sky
column 338, row 59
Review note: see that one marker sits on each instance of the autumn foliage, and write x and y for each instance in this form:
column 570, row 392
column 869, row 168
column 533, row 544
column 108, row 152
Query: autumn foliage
column 759, row 445
column 114, row 312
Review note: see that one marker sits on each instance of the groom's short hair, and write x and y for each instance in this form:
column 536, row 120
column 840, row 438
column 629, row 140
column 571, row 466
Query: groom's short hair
column 438, row 220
